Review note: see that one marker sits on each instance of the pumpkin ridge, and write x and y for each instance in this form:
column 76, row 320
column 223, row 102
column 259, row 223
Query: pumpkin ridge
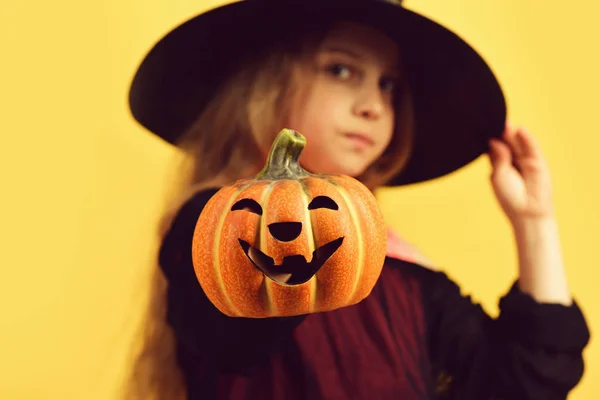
column 312, row 243
column 359, row 235
column 216, row 258
column 262, row 242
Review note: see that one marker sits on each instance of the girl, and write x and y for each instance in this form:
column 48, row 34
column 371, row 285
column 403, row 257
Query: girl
column 389, row 97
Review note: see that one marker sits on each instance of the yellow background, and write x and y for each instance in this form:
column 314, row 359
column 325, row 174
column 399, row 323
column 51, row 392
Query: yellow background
column 82, row 184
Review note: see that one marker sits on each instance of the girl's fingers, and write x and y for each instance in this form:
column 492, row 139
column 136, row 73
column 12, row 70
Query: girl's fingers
column 500, row 154
column 528, row 144
column 510, row 137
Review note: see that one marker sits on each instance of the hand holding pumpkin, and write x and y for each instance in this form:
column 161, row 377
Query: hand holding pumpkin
column 289, row 242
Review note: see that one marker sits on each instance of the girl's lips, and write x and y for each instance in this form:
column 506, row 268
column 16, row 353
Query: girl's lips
column 360, row 139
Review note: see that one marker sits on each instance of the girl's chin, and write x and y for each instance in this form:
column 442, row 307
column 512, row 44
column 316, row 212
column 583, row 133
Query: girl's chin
column 340, row 170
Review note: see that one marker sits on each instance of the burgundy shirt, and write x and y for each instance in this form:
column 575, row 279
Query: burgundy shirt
column 414, row 337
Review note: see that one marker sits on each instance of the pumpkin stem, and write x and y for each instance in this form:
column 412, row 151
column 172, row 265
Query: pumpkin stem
column 282, row 162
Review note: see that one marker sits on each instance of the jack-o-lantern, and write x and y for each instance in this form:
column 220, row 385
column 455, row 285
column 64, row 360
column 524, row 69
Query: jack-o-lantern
column 289, row 242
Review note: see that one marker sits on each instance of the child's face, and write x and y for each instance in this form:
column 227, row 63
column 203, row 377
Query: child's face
column 347, row 114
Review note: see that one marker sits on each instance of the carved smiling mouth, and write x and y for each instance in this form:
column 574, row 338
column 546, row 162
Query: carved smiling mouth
column 294, row 270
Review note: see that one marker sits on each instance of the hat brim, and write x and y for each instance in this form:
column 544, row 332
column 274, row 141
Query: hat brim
column 458, row 102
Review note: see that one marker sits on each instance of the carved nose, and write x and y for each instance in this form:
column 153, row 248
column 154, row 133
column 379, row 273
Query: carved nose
column 285, row 231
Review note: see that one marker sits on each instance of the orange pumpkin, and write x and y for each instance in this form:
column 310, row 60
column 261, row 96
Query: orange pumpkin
column 289, row 242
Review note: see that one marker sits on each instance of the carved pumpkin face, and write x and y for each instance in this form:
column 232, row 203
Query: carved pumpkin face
column 293, row 269
column 289, row 242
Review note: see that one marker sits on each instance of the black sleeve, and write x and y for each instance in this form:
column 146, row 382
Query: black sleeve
column 203, row 333
column 532, row 351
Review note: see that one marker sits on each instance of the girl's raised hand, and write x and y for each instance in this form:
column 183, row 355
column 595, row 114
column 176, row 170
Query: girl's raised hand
column 520, row 176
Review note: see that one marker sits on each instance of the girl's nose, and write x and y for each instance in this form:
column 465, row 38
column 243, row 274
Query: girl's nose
column 369, row 105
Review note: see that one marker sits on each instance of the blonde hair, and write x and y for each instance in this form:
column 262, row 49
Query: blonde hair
column 226, row 143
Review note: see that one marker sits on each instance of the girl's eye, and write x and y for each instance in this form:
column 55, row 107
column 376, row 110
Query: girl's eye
column 387, row 85
column 340, row 71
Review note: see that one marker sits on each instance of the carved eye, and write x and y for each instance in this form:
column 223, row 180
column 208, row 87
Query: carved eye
column 322, row 202
column 248, row 205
